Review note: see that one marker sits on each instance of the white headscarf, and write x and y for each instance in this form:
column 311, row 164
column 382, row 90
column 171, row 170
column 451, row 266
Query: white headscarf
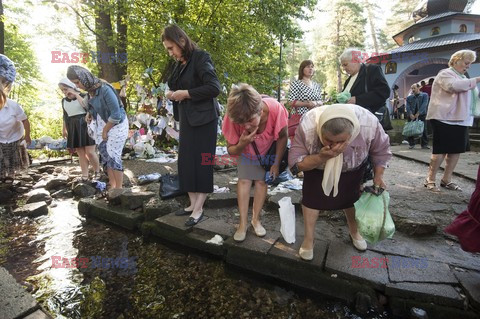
column 333, row 167
column 67, row 82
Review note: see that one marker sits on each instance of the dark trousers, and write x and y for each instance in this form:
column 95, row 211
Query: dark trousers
column 424, row 137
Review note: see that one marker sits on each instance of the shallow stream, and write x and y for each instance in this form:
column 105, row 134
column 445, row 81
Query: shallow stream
column 148, row 280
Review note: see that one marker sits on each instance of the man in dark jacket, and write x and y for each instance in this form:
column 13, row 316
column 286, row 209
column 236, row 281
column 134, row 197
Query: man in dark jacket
column 366, row 82
column 417, row 104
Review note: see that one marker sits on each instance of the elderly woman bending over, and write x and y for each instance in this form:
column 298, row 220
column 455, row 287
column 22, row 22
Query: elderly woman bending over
column 331, row 147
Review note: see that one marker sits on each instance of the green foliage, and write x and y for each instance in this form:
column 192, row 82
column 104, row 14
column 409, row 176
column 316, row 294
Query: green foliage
column 19, row 50
column 241, row 36
column 400, row 19
column 345, row 28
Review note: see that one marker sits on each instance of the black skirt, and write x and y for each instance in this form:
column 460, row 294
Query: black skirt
column 195, row 140
column 449, row 139
column 348, row 189
column 78, row 132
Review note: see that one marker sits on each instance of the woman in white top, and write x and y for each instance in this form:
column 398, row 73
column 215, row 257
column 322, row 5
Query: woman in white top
column 75, row 127
column 14, row 126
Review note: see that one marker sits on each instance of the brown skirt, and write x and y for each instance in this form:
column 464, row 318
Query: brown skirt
column 13, row 157
column 348, row 189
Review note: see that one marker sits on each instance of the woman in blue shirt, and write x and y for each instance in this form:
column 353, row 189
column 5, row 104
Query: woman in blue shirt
column 106, row 111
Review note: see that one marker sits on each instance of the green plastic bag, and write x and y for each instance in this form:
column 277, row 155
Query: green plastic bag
column 373, row 218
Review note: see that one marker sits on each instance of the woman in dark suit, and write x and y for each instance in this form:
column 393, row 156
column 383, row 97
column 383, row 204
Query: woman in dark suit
column 366, row 82
column 193, row 88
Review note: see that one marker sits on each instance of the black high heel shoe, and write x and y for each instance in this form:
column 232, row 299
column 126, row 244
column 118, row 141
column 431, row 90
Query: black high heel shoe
column 192, row 221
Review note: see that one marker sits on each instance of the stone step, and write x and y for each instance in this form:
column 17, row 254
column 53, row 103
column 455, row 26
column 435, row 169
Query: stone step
column 114, row 214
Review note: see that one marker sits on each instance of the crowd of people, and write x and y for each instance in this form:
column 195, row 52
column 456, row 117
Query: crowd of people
column 338, row 147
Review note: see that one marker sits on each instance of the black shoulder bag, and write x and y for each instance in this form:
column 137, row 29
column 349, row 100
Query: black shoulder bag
column 268, row 159
column 383, row 114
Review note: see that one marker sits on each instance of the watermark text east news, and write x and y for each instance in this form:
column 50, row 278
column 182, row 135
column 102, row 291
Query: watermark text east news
column 393, row 262
column 83, row 57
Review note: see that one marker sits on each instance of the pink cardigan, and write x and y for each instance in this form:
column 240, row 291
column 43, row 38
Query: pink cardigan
column 450, row 97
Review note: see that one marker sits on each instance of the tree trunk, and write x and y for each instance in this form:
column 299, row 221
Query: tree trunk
column 122, row 38
column 337, row 45
column 372, row 26
column 105, row 51
column 2, row 30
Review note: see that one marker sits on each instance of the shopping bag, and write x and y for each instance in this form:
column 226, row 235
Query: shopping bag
column 413, row 128
column 287, row 219
column 374, row 221
column 169, row 186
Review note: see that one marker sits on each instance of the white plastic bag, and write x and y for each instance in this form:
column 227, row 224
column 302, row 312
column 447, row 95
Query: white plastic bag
column 287, row 219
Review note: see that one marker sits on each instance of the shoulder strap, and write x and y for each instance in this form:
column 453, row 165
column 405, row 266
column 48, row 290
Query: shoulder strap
column 255, row 148
column 366, row 77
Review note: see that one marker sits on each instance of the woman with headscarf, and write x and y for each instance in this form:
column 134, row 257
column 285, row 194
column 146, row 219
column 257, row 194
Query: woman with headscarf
column 14, row 126
column 75, row 127
column 193, row 89
column 331, row 147
column 452, row 106
column 106, row 108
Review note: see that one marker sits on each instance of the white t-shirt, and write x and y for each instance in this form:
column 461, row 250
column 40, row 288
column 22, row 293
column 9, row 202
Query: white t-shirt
column 11, row 126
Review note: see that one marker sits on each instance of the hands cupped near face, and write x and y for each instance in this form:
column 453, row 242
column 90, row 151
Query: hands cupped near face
column 331, row 151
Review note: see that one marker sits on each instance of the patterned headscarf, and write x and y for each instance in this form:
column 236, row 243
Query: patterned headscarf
column 88, row 80
column 7, row 69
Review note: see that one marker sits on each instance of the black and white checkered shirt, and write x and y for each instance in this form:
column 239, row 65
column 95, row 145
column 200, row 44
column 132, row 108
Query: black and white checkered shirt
column 299, row 91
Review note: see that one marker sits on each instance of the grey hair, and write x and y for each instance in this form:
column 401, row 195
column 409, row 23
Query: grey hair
column 337, row 126
column 347, row 54
column 461, row 55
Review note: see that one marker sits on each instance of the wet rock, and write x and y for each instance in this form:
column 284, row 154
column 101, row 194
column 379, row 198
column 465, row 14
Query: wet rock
column 75, row 171
column 414, row 223
column 153, row 187
column 36, row 177
column 32, row 210
column 83, row 190
column 46, row 169
column 135, row 200
column 417, row 313
column 114, row 195
column 38, row 195
column 58, row 170
column 63, row 193
column 57, row 182
column 363, row 302
column 22, row 189
column 155, row 207
column 25, row 178
column 5, row 195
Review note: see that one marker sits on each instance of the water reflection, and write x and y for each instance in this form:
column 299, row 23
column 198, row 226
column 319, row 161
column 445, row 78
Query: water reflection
column 169, row 282
column 57, row 232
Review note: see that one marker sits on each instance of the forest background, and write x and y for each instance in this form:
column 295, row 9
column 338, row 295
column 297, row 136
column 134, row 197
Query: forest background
column 260, row 42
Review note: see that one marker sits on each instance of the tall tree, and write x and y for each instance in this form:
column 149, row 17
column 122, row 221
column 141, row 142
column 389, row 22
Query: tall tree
column 2, row 30
column 369, row 7
column 400, row 19
column 345, row 28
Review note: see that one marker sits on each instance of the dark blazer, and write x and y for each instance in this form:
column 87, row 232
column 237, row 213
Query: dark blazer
column 199, row 78
column 377, row 87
